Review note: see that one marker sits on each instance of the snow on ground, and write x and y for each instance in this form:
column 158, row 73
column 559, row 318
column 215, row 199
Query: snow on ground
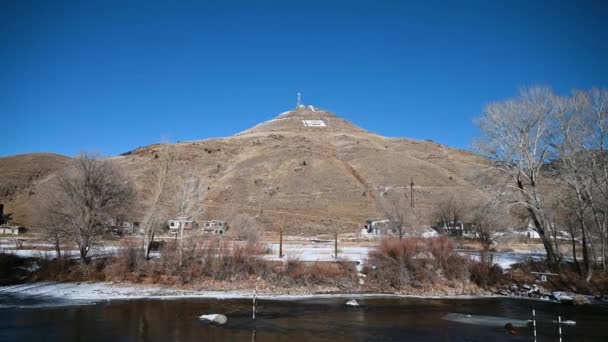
column 47, row 252
column 61, row 294
column 506, row 259
column 322, row 252
column 105, row 291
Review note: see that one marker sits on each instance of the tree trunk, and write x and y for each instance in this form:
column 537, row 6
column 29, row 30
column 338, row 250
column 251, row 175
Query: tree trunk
column 181, row 246
column 586, row 262
column 539, row 226
column 573, row 240
column 546, row 239
column 83, row 254
column 604, row 252
column 148, row 245
column 57, row 247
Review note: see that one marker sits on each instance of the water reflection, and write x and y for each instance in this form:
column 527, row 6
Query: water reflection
column 292, row 321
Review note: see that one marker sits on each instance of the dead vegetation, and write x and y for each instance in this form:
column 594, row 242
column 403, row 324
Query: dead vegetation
column 568, row 278
column 401, row 264
column 225, row 264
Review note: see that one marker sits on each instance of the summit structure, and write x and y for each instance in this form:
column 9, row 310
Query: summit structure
column 302, row 119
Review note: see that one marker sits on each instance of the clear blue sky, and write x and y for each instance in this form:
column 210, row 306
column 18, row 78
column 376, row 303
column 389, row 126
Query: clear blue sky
column 110, row 76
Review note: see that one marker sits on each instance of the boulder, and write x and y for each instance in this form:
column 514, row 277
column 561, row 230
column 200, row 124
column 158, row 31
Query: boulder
column 580, row 300
column 361, row 281
column 214, row 318
column 352, row 302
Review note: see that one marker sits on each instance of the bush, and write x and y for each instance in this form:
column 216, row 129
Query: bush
column 127, row 264
column 244, row 228
column 396, row 263
column 483, row 272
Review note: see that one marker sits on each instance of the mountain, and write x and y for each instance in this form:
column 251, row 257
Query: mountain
column 309, row 171
column 19, row 177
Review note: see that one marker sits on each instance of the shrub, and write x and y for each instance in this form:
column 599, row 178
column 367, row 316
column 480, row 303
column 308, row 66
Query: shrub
column 484, row 272
column 415, row 261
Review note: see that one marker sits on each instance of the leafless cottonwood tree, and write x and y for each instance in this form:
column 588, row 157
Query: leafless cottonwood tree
column 191, row 196
column 395, row 204
column 488, row 218
column 244, row 228
column 153, row 217
column 516, row 135
column 580, row 137
column 86, row 195
column 449, row 209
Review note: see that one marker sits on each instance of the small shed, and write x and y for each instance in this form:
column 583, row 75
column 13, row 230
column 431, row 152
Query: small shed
column 375, row 228
column 186, row 223
column 12, row 230
column 214, row 227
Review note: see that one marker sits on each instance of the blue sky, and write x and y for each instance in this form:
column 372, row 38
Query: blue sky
column 109, row 76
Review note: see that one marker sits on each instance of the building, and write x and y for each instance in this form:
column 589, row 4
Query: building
column 184, row 222
column 125, row 227
column 12, row 230
column 528, row 232
column 375, row 228
column 458, row 229
column 214, row 227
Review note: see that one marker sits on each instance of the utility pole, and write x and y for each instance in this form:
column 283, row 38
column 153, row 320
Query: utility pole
column 336, row 245
column 280, row 242
column 412, row 191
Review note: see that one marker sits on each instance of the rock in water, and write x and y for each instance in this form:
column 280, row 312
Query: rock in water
column 352, row 302
column 580, row 300
column 214, row 318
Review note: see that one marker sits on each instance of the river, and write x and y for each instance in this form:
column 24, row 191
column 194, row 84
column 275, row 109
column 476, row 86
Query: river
column 321, row 319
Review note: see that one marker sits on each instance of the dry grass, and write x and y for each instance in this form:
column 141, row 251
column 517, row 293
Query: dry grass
column 267, row 168
column 569, row 278
column 213, row 260
column 417, row 262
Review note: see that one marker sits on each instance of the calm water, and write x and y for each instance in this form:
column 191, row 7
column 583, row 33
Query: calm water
column 386, row 319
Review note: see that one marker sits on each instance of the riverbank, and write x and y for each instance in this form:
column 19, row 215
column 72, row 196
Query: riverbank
column 430, row 268
column 101, row 291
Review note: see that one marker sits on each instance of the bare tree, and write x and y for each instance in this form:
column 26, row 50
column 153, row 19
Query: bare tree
column 395, row 204
column 581, row 128
column 244, row 228
column 153, row 218
column 190, row 200
column 449, row 210
column 488, row 218
column 516, row 135
column 87, row 194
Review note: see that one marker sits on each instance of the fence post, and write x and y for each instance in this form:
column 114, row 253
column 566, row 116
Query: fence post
column 280, row 242
column 336, row 245
column 255, row 294
column 559, row 327
column 534, row 322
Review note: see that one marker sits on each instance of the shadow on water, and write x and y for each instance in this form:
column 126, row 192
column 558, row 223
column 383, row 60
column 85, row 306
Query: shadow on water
column 327, row 319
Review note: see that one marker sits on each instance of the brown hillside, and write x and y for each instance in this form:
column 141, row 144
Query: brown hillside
column 311, row 179
column 19, row 176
